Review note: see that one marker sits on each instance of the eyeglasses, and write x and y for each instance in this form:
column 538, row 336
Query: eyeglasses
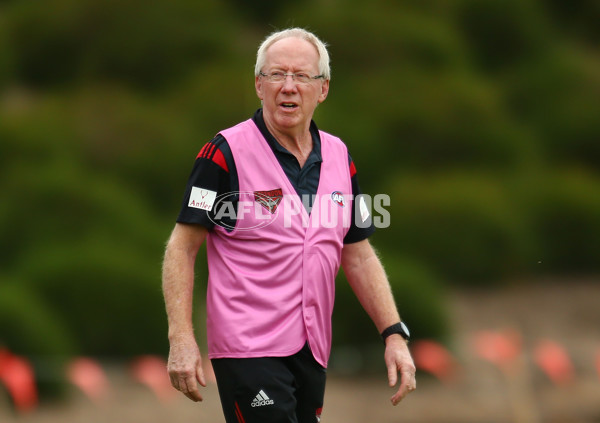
column 302, row 78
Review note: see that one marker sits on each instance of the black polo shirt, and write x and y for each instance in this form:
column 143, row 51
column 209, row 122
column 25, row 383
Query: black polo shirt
column 215, row 170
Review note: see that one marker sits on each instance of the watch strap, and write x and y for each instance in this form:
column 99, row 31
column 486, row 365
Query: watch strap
column 397, row 328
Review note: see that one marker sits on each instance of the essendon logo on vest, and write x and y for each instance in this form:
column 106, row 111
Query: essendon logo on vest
column 269, row 199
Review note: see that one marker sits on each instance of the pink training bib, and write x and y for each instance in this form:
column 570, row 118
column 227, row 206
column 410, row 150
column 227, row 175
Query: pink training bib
column 271, row 282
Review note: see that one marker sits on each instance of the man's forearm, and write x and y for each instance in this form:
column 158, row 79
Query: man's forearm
column 178, row 280
column 178, row 286
column 372, row 289
column 369, row 282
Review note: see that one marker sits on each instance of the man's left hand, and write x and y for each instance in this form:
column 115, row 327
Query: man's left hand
column 399, row 360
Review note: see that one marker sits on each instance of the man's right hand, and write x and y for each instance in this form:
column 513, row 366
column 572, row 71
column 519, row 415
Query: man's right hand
column 185, row 368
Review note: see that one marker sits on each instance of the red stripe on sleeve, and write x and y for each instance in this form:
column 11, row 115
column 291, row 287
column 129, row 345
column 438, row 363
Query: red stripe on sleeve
column 202, row 151
column 211, row 150
column 219, row 159
column 352, row 169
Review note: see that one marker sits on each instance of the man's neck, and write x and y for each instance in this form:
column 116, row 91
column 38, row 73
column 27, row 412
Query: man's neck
column 299, row 143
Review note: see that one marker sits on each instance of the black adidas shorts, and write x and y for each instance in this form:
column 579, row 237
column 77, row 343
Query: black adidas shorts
column 271, row 389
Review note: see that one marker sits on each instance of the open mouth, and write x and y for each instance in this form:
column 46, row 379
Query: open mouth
column 289, row 106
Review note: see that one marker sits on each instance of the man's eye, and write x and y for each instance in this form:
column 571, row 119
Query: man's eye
column 277, row 75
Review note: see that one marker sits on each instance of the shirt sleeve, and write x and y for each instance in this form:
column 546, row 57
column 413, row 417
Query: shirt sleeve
column 209, row 179
column 361, row 224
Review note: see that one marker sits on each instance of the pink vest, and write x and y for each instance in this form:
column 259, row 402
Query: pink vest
column 271, row 281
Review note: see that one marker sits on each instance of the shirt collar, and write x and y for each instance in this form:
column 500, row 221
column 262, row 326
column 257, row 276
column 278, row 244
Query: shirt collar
column 315, row 154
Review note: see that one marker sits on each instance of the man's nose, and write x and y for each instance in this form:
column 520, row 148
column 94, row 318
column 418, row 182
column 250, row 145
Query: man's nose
column 289, row 84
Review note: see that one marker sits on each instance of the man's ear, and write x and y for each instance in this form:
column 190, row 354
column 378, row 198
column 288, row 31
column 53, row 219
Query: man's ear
column 324, row 91
column 258, row 86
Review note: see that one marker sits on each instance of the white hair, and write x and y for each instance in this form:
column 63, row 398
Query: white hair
column 301, row 33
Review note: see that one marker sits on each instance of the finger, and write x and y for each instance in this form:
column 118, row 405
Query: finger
column 407, row 385
column 194, row 396
column 191, row 389
column 200, row 376
column 174, row 381
column 399, row 395
column 392, row 374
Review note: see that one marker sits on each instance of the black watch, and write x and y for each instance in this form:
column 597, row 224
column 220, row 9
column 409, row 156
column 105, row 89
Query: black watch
column 399, row 328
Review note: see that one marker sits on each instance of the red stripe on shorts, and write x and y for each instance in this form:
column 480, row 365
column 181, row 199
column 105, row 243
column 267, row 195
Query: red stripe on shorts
column 238, row 414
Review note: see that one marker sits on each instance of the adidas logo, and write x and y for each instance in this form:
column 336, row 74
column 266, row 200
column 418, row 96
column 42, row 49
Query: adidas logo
column 262, row 399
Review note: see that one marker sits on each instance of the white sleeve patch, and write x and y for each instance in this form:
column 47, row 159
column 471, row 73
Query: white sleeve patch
column 201, row 198
column 364, row 211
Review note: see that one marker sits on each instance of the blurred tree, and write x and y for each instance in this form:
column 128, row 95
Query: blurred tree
column 261, row 12
column 577, row 18
column 146, row 44
column 29, row 325
column 502, row 34
column 557, row 96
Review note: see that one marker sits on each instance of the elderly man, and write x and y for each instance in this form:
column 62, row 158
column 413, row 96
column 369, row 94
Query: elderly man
column 274, row 199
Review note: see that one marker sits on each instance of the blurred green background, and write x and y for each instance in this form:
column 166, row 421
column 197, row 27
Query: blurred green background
column 481, row 120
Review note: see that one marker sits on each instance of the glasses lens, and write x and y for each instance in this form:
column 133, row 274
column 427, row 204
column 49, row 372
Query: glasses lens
column 302, row 78
column 277, row 76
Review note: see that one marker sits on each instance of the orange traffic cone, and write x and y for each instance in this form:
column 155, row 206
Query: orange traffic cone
column 18, row 376
column 499, row 348
column 434, row 358
column 88, row 375
column 553, row 359
column 151, row 371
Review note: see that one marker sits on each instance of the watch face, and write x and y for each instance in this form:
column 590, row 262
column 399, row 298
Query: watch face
column 405, row 329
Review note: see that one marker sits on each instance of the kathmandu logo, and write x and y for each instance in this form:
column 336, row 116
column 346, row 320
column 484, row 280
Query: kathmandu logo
column 338, row 198
column 269, row 199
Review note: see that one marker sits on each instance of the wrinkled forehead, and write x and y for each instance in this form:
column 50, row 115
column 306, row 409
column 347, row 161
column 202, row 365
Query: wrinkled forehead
column 292, row 53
